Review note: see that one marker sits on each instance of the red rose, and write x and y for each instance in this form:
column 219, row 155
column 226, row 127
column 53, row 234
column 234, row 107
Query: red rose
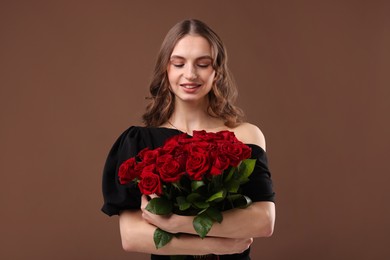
column 169, row 169
column 181, row 157
column 197, row 165
column 221, row 163
column 139, row 167
column 236, row 152
column 177, row 148
column 149, row 156
column 173, row 143
column 127, row 171
column 227, row 136
column 201, row 147
column 205, row 136
column 150, row 182
column 246, row 151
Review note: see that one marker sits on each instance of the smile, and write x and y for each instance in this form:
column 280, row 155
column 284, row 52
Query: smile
column 190, row 85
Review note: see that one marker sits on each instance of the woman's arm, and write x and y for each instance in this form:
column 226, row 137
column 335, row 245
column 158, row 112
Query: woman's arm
column 257, row 220
column 137, row 236
column 233, row 235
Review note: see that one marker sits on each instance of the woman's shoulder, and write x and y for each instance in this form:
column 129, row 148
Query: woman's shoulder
column 249, row 134
column 130, row 131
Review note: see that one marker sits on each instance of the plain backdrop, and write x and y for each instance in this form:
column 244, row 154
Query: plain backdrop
column 313, row 75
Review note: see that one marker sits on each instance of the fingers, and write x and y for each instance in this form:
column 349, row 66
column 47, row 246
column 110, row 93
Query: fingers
column 146, row 215
column 152, row 196
column 144, row 202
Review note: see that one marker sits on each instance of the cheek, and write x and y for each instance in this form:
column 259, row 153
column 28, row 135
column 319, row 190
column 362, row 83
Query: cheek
column 211, row 77
column 172, row 76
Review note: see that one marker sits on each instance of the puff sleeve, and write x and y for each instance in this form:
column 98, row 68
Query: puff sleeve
column 260, row 187
column 118, row 197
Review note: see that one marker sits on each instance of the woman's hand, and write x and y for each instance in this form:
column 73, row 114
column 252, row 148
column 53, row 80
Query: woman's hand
column 160, row 221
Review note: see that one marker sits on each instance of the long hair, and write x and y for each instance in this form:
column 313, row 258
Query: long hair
column 223, row 92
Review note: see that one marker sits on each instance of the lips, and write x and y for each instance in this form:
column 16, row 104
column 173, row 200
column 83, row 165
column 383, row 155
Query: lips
column 190, row 85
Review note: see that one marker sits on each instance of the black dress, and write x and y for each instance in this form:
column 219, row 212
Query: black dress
column 119, row 197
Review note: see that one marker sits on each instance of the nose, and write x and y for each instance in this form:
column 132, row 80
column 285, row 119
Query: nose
column 190, row 72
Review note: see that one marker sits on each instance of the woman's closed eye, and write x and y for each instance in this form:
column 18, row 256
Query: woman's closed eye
column 178, row 65
column 181, row 65
column 203, row 65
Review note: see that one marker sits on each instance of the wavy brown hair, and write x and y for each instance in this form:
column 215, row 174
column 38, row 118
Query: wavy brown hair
column 223, row 92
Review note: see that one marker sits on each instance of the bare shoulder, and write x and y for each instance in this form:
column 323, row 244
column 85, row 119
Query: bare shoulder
column 250, row 134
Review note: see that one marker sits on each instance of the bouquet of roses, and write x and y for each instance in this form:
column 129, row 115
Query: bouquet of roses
column 196, row 176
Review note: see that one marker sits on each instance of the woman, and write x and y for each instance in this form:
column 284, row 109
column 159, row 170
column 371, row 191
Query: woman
column 191, row 90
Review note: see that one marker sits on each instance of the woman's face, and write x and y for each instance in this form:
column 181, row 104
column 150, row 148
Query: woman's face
column 190, row 70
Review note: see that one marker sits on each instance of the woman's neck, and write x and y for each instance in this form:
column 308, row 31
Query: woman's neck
column 188, row 117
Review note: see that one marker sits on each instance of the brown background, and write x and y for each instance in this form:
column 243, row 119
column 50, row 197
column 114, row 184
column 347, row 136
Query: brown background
column 313, row 75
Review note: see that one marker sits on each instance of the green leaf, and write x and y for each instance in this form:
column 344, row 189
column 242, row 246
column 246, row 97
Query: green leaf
column 183, row 203
column 201, row 204
column 220, row 195
column 194, row 197
column 216, row 182
column 177, row 185
column 230, row 174
column 200, row 212
column 159, row 206
column 245, row 169
column 233, row 197
column 233, row 185
column 214, row 214
column 202, row 224
column 240, row 201
column 196, row 185
column 161, row 238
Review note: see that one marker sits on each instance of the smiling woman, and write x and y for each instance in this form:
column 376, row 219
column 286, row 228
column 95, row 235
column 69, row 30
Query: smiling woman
column 192, row 95
column 211, row 50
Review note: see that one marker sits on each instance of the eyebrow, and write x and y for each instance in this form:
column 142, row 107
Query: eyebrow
column 199, row 58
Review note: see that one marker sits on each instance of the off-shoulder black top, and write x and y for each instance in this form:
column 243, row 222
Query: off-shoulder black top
column 118, row 197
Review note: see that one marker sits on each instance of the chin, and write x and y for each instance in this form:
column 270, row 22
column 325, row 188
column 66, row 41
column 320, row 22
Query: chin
column 192, row 99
